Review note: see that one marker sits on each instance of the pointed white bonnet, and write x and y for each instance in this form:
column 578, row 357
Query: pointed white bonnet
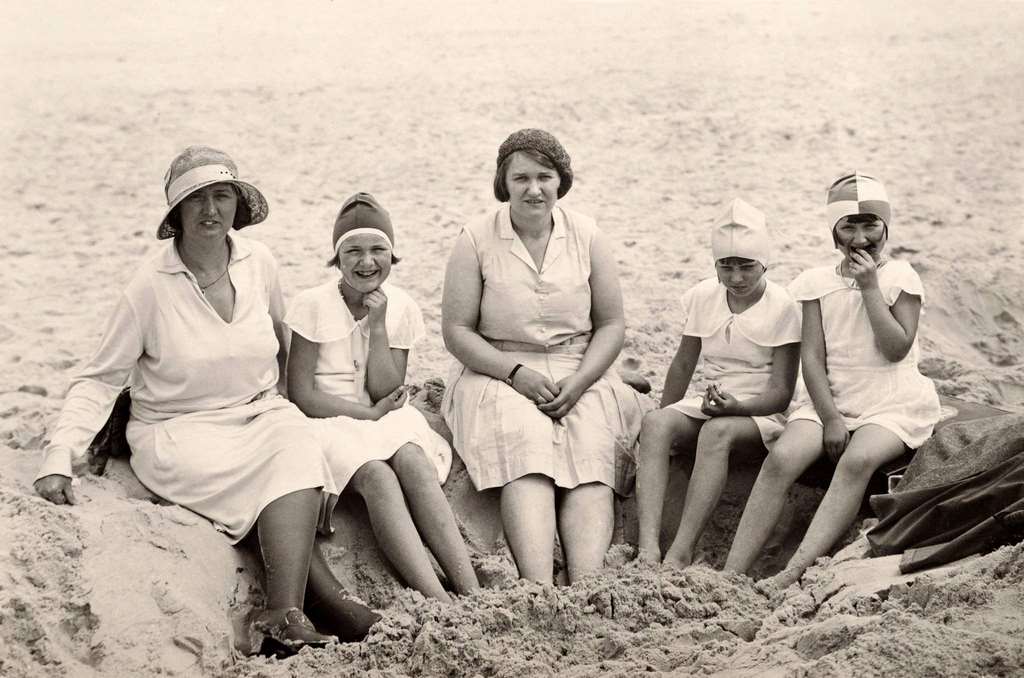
column 741, row 232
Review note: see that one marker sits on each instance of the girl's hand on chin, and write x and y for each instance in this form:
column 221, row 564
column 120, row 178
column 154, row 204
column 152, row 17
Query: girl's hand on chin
column 376, row 303
column 863, row 269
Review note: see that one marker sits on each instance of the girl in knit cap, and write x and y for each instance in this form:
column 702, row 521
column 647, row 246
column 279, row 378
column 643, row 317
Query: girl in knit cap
column 532, row 313
column 351, row 339
column 868, row 401
column 747, row 329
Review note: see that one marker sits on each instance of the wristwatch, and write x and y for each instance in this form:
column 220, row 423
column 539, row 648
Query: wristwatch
column 512, row 374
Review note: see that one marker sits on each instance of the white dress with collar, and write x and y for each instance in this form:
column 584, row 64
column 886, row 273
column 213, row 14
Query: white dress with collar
column 866, row 386
column 321, row 316
column 737, row 348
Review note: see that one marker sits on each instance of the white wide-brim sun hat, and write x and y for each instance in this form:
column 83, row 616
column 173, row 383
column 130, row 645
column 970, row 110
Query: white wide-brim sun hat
column 199, row 166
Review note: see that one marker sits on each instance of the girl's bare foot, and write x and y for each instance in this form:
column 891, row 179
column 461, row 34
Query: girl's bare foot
column 677, row 561
column 648, row 557
column 778, row 583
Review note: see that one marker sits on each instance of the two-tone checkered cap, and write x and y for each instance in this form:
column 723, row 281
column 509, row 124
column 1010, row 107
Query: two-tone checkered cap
column 856, row 193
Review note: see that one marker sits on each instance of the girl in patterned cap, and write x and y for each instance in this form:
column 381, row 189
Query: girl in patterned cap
column 868, row 401
column 351, row 339
column 747, row 329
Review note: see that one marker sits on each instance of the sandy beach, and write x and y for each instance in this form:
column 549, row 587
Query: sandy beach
column 669, row 111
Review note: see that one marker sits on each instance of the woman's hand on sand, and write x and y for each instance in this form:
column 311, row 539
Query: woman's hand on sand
column 718, row 403
column 835, row 438
column 863, row 269
column 55, row 488
column 391, row 401
column 534, row 386
column 376, row 303
column 569, row 391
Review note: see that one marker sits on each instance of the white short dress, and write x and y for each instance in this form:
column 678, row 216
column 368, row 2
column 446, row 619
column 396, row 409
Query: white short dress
column 321, row 316
column 540, row 318
column 867, row 388
column 737, row 348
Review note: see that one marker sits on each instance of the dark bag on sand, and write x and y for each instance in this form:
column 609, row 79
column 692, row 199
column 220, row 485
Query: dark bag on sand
column 111, row 440
column 963, row 494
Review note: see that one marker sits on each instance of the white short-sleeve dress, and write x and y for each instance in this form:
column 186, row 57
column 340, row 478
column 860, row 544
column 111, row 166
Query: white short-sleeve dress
column 321, row 316
column 208, row 429
column 737, row 348
column 866, row 386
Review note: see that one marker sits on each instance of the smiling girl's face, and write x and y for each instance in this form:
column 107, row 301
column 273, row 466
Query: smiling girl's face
column 364, row 261
column 864, row 232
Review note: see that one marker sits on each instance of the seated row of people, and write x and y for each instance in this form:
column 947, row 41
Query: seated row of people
column 233, row 421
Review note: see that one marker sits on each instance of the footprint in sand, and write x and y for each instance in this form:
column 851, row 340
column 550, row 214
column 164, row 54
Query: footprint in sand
column 165, row 599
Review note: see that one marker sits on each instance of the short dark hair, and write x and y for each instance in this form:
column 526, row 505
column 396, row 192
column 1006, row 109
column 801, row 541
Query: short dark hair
column 243, row 215
column 500, row 189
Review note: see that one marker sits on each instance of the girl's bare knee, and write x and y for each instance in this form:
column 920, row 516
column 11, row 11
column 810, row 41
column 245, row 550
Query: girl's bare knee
column 717, row 437
column 660, row 426
column 857, row 464
column 374, row 477
column 410, row 460
column 782, row 466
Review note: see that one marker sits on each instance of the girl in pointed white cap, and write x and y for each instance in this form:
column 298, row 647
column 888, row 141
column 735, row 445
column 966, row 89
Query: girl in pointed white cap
column 351, row 339
column 747, row 330
column 868, row 403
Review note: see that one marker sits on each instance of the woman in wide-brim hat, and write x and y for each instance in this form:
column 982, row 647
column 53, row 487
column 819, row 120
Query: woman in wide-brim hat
column 532, row 312
column 198, row 335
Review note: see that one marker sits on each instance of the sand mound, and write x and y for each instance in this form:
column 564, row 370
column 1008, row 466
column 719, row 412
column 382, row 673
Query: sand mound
column 125, row 585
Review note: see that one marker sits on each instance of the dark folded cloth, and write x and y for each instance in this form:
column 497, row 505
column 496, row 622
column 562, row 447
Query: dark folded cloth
column 962, row 494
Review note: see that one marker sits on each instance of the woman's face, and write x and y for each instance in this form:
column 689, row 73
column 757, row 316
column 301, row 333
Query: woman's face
column 364, row 261
column 742, row 277
column 532, row 187
column 208, row 212
column 861, row 232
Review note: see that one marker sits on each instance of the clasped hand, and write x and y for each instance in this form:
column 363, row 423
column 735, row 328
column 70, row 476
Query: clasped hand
column 718, row 403
column 554, row 399
column 391, row 401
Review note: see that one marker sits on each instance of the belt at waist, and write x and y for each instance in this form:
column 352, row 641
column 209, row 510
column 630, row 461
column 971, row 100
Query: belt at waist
column 574, row 344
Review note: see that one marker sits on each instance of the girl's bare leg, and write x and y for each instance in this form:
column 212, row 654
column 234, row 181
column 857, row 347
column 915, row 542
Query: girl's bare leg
column 396, row 534
column 869, row 448
column 433, row 516
column 718, row 438
column 660, row 431
column 585, row 522
column 528, row 516
column 796, row 449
